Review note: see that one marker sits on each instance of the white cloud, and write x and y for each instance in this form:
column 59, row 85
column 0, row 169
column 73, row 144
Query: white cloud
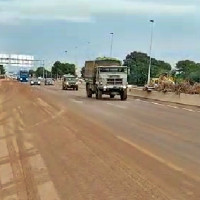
column 83, row 10
column 141, row 7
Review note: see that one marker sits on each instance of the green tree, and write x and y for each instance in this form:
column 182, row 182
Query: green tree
column 31, row 72
column 186, row 68
column 138, row 63
column 59, row 69
column 82, row 72
column 2, row 69
column 39, row 72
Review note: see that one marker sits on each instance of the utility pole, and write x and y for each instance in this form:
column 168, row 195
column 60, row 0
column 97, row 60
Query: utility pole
column 111, row 46
column 151, row 42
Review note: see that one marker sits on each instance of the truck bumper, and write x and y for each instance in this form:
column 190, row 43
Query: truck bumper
column 112, row 90
column 70, row 86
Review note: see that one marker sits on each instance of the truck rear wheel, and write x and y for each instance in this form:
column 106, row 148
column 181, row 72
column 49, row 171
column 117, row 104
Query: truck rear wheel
column 123, row 95
column 89, row 93
column 88, row 90
column 112, row 96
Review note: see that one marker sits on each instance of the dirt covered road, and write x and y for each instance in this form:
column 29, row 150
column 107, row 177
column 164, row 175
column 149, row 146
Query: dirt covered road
column 59, row 145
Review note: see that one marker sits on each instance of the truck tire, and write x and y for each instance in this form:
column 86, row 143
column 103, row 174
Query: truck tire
column 124, row 95
column 88, row 90
column 112, row 96
column 76, row 88
column 89, row 93
column 98, row 94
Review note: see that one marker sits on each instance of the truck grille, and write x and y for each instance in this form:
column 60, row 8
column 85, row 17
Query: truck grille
column 114, row 81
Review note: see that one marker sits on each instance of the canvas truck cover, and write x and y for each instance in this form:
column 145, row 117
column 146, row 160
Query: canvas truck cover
column 91, row 65
column 89, row 69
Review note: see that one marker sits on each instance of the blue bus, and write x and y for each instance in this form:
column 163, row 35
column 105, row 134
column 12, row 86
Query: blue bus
column 23, row 76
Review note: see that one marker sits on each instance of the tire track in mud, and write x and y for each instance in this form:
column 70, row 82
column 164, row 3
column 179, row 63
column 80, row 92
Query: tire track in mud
column 21, row 185
column 24, row 181
column 22, row 175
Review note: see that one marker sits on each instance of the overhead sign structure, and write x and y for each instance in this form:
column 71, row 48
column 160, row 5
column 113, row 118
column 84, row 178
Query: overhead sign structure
column 17, row 60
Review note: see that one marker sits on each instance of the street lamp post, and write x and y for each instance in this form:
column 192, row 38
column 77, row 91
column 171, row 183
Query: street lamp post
column 43, row 68
column 111, row 46
column 76, row 63
column 66, row 52
column 88, row 50
column 151, row 42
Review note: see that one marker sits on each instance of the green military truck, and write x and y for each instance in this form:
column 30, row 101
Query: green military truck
column 69, row 82
column 106, row 76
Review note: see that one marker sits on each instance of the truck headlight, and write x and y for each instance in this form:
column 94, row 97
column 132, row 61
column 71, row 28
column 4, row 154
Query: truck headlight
column 38, row 82
column 20, row 79
column 124, row 87
column 31, row 82
column 105, row 87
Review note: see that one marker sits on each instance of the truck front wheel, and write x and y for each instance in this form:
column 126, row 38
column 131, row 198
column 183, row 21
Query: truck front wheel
column 124, row 95
column 98, row 94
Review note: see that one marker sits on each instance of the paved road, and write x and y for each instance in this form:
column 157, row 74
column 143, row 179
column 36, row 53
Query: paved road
column 59, row 145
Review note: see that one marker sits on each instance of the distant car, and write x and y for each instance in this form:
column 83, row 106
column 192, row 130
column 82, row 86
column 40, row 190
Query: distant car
column 35, row 81
column 49, row 81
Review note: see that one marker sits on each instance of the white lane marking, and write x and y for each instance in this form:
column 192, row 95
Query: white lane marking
column 117, row 106
column 141, row 100
column 175, row 107
column 172, row 106
column 190, row 110
column 159, row 159
column 75, row 101
column 148, row 153
column 158, row 104
column 6, row 174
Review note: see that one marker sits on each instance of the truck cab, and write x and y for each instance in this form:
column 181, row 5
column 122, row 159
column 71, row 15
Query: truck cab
column 69, row 82
column 23, row 76
column 109, row 79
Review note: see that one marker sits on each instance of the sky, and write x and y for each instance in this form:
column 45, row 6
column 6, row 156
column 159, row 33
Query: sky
column 48, row 28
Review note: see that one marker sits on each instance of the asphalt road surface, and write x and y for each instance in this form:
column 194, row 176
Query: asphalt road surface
column 60, row 145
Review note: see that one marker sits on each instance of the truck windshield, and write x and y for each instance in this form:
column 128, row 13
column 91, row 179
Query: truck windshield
column 113, row 69
column 24, row 73
column 71, row 79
